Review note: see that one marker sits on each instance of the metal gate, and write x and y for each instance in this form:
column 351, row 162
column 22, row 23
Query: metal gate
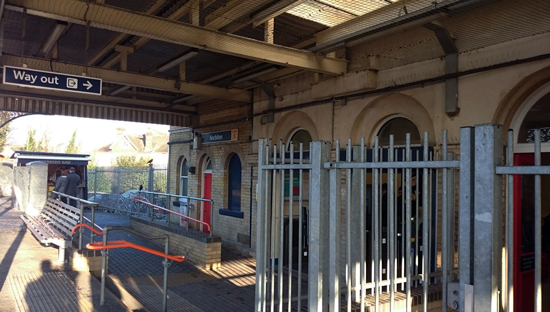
column 335, row 234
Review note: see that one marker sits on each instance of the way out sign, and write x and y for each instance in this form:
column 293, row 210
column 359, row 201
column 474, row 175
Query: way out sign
column 25, row 77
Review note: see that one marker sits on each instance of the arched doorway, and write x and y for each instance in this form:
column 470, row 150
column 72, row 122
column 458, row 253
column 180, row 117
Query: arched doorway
column 533, row 114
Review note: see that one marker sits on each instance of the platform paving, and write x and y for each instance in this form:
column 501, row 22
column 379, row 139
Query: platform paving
column 31, row 279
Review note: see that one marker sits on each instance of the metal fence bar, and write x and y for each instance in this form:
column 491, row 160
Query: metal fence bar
column 397, row 165
column 300, row 228
column 466, row 218
column 334, row 235
column 425, row 214
column 272, row 234
column 538, row 229
column 408, row 247
column 391, row 228
column 376, row 217
column 349, row 266
column 362, row 207
column 261, row 231
column 444, row 229
column 280, row 238
column 290, row 226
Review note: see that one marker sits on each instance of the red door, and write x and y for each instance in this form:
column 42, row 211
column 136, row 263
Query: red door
column 206, row 209
column 524, row 237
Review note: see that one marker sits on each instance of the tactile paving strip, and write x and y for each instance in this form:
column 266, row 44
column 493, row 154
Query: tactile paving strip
column 47, row 291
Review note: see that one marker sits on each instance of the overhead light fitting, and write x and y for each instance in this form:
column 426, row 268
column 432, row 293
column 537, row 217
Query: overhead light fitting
column 54, row 36
column 120, row 90
column 256, row 75
column 178, row 60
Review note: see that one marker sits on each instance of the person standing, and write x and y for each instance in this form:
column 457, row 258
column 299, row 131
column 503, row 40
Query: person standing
column 61, row 184
column 73, row 180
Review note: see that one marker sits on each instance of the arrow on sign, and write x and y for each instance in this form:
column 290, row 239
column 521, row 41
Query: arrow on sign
column 88, row 84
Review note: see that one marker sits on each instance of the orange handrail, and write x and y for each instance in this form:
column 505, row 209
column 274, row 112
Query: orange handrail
column 93, row 224
column 141, row 200
column 124, row 244
column 86, row 225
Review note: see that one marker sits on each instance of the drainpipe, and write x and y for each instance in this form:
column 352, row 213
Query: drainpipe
column 250, row 218
column 451, row 66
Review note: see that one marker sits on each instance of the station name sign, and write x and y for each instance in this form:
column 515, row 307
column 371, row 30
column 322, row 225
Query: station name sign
column 220, row 136
column 26, row 77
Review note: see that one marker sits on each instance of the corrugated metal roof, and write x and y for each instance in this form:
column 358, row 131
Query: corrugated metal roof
column 350, row 23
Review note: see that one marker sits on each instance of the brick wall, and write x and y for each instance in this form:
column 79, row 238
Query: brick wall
column 234, row 231
column 197, row 247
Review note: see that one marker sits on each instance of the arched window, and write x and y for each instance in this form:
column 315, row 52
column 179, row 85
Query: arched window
column 234, row 184
column 184, row 176
column 399, row 127
column 300, row 136
column 536, row 118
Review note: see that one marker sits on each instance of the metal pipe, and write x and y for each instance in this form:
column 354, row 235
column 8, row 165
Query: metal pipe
column 376, row 243
column 93, row 223
column 81, row 221
column 104, row 255
column 408, row 223
column 391, row 227
column 290, row 226
column 165, row 278
column 348, row 224
column 510, row 226
column 425, row 238
column 538, row 230
column 280, row 255
column 444, row 227
column 362, row 208
column 300, row 227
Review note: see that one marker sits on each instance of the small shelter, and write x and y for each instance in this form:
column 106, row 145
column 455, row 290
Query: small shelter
column 57, row 162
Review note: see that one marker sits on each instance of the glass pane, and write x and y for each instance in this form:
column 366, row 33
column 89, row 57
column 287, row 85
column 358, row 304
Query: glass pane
column 399, row 127
column 301, row 136
column 538, row 117
column 234, row 184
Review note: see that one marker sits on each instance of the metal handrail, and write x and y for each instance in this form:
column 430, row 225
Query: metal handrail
column 81, row 204
column 169, row 196
column 124, row 244
column 89, row 227
column 145, row 201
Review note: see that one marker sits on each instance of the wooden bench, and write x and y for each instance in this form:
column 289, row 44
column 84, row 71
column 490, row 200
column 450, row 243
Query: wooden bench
column 54, row 225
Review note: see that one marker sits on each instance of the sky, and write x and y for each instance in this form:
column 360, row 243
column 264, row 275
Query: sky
column 91, row 133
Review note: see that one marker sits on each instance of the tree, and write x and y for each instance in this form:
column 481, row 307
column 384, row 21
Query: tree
column 72, row 147
column 103, row 183
column 30, row 144
column 134, row 172
column 5, row 130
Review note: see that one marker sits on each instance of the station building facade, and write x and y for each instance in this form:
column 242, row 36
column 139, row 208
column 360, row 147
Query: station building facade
column 387, row 91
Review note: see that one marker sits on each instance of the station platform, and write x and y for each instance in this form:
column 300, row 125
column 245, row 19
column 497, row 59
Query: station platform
column 31, row 279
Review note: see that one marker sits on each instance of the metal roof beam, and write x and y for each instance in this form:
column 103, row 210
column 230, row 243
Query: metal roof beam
column 275, row 10
column 54, row 95
column 138, row 24
column 365, row 25
column 130, row 79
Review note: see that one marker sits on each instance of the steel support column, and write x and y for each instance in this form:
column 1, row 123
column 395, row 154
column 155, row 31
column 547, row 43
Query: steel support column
column 488, row 217
column 318, row 269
